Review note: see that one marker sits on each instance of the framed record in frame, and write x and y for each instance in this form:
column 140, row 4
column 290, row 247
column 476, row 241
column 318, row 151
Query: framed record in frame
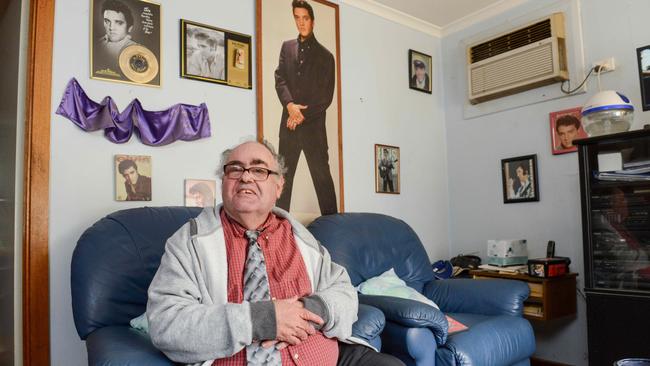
column 125, row 41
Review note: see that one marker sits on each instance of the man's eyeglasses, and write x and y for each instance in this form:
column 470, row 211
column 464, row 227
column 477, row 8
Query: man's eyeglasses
column 257, row 172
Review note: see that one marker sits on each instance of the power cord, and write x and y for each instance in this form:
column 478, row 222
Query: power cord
column 596, row 68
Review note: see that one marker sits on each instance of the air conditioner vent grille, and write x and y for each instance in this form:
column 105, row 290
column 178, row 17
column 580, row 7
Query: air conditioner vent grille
column 517, row 39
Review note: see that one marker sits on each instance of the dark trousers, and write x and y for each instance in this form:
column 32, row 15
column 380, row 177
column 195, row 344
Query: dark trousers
column 310, row 138
column 388, row 184
column 357, row 355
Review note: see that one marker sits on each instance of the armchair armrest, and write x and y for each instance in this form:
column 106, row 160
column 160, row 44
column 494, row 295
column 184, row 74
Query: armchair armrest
column 123, row 346
column 369, row 325
column 410, row 313
column 487, row 297
column 414, row 346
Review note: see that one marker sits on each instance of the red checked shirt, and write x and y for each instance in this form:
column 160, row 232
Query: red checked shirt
column 287, row 278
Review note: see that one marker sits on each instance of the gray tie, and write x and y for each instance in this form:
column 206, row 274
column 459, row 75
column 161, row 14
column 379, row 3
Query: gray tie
column 256, row 288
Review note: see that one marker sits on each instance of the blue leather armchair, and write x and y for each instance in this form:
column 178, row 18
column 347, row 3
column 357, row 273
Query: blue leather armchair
column 112, row 266
column 369, row 244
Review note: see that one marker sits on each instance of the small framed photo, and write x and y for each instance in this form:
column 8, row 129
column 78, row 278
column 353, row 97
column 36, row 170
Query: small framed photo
column 215, row 55
column 132, row 178
column 519, row 179
column 200, row 192
column 643, row 58
column 387, row 177
column 566, row 126
column 125, row 41
column 420, row 71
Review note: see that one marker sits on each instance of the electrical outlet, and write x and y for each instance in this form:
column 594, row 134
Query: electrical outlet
column 606, row 65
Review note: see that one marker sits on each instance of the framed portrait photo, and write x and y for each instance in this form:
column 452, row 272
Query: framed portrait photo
column 566, row 126
column 643, row 58
column 299, row 101
column 125, row 41
column 387, row 177
column 132, row 178
column 420, row 71
column 215, row 55
column 200, row 192
column 519, row 179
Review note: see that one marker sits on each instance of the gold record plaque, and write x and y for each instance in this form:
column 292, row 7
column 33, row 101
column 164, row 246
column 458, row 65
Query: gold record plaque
column 138, row 64
column 125, row 41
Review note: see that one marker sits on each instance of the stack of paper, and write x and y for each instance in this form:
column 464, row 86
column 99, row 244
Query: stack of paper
column 510, row 269
column 633, row 171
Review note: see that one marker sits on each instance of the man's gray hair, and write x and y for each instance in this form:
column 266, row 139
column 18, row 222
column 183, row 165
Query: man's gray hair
column 225, row 155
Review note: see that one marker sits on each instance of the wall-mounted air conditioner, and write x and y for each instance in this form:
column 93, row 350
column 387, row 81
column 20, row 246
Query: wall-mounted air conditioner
column 521, row 59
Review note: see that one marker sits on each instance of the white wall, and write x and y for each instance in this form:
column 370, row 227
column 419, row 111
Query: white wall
column 476, row 146
column 378, row 107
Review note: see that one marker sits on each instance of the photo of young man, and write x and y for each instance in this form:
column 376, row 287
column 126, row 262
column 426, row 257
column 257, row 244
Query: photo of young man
column 566, row 127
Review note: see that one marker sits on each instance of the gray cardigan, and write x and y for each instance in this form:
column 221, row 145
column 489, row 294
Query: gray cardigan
column 190, row 319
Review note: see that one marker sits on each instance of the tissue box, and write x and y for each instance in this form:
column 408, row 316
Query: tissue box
column 507, row 252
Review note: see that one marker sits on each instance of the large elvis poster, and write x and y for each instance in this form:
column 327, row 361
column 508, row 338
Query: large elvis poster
column 299, row 101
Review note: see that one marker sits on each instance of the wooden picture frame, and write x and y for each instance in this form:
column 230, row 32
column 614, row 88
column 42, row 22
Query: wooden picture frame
column 215, row 55
column 420, row 67
column 520, row 180
column 312, row 148
column 125, row 41
column 387, row 169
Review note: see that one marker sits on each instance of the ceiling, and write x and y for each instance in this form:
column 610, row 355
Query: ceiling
column 440, row 13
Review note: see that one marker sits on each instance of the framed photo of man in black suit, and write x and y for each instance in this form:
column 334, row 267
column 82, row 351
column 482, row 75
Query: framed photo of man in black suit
column 520, row 179
column 387, row 177
column 419, row 71
column 299, row 100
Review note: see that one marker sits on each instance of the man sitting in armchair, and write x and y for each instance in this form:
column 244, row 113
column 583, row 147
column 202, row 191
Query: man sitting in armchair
column 245, row 284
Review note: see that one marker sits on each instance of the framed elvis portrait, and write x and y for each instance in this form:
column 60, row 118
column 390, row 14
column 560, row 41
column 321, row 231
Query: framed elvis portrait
column 519, row 179
column 215, row 55
column 125, row 41
column 387, row 177
column 132, row 178
column 566, row 126
column 299, row 100
column 643, row 59
column 420, row 71
column 200, row 192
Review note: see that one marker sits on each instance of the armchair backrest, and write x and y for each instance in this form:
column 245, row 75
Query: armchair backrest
column 369, row 244
column 114, row 262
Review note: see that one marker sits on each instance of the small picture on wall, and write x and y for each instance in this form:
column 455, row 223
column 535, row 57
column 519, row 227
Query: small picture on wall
column 125, row 41
column 239, row 61
column 200, row 192
column 519, row 179
column 566, row 126
column 132, row 178
column 387, row 164
column 643, row 58
column 215, row 55
column 419, row 71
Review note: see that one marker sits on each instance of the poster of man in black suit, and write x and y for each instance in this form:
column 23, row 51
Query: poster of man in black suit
column 300, row 113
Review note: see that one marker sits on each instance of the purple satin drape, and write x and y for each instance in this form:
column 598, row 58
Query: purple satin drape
column 179, row 122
